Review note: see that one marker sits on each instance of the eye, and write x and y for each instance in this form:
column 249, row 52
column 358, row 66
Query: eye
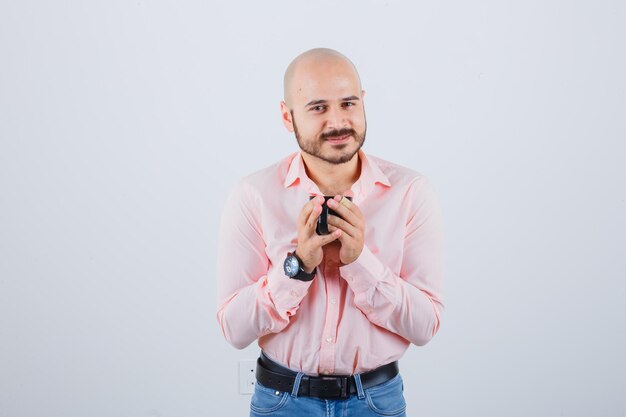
column 348, row 104
column 318, row 109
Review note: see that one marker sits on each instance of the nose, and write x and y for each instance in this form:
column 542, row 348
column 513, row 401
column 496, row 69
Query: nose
column 336, row 118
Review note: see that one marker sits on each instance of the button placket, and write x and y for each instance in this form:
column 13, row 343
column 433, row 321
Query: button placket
column 327, row 353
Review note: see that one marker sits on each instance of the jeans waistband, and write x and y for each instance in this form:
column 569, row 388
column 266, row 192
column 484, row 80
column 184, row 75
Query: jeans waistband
column 278, row 377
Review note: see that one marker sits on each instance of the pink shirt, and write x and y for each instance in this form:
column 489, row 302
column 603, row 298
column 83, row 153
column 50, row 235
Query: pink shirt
column 351, row 318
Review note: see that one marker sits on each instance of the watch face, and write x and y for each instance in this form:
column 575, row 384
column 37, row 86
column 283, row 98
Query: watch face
column 291, row 266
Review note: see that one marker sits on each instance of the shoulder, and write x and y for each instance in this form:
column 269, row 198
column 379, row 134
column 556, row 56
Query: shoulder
column 414, row 189
column 268, row 179
column 398, row 175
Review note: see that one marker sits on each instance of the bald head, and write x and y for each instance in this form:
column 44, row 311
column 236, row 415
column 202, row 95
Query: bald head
column 314, row 66
column 323, row 106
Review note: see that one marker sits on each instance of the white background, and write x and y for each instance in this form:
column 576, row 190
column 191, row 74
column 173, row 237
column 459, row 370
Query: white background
column 124, row 124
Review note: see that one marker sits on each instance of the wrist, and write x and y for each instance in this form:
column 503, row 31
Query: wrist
column 294, row 268
column 306, row 264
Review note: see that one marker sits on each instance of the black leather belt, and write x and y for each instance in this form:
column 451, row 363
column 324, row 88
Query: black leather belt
column 275, row 376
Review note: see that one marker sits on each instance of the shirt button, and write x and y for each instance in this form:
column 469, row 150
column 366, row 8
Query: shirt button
column 333, row 301
column 329, row 339
column 293, row 293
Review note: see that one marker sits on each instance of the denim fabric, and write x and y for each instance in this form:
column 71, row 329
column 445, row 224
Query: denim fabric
column 382, row 400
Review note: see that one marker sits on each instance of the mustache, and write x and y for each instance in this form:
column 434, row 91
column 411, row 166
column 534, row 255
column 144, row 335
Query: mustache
column 340, row 132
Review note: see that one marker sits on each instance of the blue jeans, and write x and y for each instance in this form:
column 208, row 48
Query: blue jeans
column 385, row 400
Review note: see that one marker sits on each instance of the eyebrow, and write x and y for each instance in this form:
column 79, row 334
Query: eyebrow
column 316, row 102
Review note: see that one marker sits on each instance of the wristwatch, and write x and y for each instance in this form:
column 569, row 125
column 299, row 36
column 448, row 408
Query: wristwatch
column 294, row 268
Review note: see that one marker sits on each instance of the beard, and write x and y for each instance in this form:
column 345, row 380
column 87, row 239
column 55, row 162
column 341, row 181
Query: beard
column 313, row 146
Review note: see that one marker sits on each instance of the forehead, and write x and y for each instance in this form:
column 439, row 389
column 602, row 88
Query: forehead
column 324, row 80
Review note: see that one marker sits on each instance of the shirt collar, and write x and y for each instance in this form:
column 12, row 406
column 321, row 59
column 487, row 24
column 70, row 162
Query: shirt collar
column 295, row 171
column 370, row 175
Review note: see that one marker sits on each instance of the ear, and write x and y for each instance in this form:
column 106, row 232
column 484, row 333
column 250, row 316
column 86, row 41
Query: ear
column 363, row 94
column 286, row 116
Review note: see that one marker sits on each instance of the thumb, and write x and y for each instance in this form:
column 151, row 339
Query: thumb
column 326, row 239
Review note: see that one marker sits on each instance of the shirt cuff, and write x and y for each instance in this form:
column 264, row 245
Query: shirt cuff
column 287, row 293
column 364, row 273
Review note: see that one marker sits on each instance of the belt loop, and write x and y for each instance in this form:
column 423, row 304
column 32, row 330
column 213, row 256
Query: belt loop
column 296, row 385
column 359, row 386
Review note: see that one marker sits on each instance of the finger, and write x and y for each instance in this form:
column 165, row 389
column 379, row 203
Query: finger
column 305, row 213
column 311, row 222
column 351, row 215
column 347, row 203
column 354, row 209
column 326, row 239
column 343, row 238
column 339, row 223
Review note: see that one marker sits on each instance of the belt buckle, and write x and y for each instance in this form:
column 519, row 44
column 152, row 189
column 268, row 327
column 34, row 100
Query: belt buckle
column 330, row 387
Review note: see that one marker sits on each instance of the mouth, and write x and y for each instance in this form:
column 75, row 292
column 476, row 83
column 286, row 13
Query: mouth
column 338, row 140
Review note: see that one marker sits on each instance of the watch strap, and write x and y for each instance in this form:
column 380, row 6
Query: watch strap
column 302, row 275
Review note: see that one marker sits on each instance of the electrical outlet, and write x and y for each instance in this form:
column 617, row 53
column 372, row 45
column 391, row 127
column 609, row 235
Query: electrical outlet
column 247, row 378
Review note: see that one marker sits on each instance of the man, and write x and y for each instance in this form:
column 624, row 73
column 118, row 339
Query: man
column 332, row 312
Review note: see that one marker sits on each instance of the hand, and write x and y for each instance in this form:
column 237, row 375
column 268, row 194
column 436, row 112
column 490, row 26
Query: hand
column 310, row 244
column 352, row 225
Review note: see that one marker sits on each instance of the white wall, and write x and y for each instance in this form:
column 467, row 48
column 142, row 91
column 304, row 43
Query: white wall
column 123, row 124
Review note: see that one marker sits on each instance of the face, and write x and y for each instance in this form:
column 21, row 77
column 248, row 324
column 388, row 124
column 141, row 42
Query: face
column 327, row 113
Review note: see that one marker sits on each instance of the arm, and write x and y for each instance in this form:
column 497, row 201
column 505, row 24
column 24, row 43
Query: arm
column 251, row 303
column 254, row 300
column 409, row 304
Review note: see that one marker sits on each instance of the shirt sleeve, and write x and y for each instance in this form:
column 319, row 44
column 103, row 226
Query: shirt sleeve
column 408, row 304
column 251, row 302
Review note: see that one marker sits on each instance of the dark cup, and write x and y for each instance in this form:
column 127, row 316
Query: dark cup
column 322, row 221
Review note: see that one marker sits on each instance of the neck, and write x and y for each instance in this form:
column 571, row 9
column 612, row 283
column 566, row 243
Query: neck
column 332, row 179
